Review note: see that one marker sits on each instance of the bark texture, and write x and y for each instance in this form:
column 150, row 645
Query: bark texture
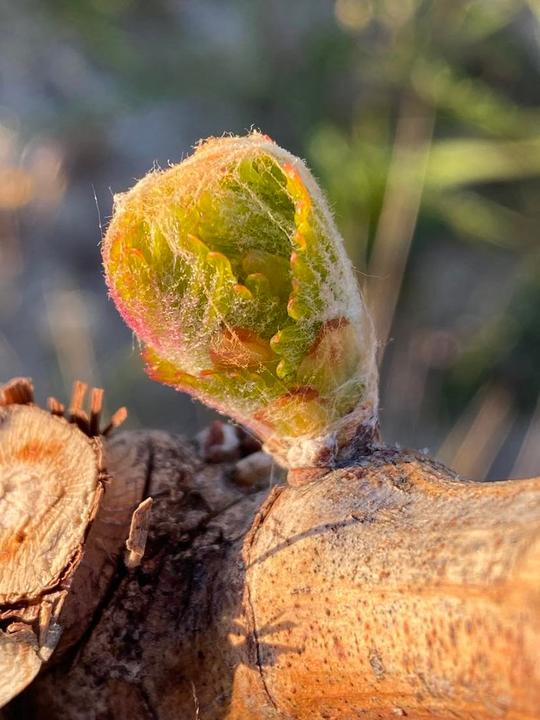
column 385, row 589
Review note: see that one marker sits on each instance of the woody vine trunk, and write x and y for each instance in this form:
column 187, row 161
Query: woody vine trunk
column 388, row 588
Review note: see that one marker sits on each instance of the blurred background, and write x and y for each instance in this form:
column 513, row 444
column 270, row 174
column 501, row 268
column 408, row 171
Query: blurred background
column 420, row 119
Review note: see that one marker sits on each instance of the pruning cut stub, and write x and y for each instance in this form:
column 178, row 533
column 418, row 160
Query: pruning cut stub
column 230, row 270
column 52, row 476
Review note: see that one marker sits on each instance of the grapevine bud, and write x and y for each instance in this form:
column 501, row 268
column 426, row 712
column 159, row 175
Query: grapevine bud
column 231, row 272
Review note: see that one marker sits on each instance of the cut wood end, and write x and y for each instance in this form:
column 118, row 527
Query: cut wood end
column 51, row 484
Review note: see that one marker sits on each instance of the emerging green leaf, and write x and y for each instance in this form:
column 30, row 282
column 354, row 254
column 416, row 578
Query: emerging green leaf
column 231, row 272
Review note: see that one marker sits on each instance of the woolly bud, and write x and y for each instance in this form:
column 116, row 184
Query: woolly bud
column 231, row 272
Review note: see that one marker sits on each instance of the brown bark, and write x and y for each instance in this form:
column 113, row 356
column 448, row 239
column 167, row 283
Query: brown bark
column 384, row 589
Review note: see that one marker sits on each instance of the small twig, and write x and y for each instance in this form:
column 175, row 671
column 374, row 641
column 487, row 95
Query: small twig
column 195, row 700
column 76, row 414
column 96, row 406
column 116, row 420
column 55, row 406
column 138, row 532
column 19, row 391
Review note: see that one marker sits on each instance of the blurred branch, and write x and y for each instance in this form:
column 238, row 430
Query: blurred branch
column 472, row 215
column 399, row 214
column 528, row 459
column 477, row 437
column 471, row 100
column 466, row 160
